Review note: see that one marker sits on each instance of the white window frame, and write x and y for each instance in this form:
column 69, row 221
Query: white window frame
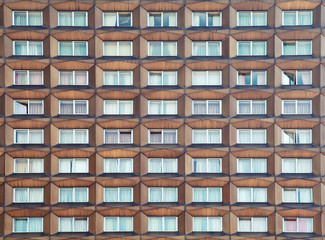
column 296, row 165
column 74, row 78
column 207, row 136
column 162, row 194
column 27, row 48
column 162, row 107
column 72, row 22
column 13, row 225
column 162, row 78
column 251, row 135
column 207, row 106
column 73, row 194
column 27, row 18
column 251, row 224
column 28, row 76
column 251, row 48
column 251, row 106
column 251, row 79
column 118, row 49
column 118, row 107
column 73, row 49
column 207, row 194
column 118, row 194
column 296, row 45
column 297, row 222
column 297, row 193
column 207, row 229
column 74, row 106
column 28, row 102
column 117, row 19
column 161, row 17
column 162, row 49
column 74, row 137
column 28, row 165
column 296, row 106
column 118, row 78
column 251, row 194
column 207, row 49
column 28, row 137
column 297, row 129
column 207, row 77
column 251, row 20
column 118, row 223
column 297, row 13
column 207, row 165
column 73, row 165
column 73, row 222
column 162, row 135
column 119, row 131
column 118, row 165
column 163, row 223
column 251, row 165
column 206, row 19
column 162, row 165
column 296, row 74
column 28, row 194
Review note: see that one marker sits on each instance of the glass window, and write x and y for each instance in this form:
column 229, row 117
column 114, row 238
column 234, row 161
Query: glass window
column 251, row 106
column 73, row 48
column 207, row 165
column 252, row 224
column 210, row 194
column 28, row 106
column 300, row 195
column 28, row 48
column 296, row 106
column 251, row 165
column 158, row 78
column 251, row 136
column 118, row 224
column 28, row 195
column 202, row 107
column 118, row 78
column 79, row 194
column 117, row 19
column 206, row 19
column 28, row 165
column 73, row 107
column 124, row 194
column 28, row 136
column 26, row 77
column 245, row 194
column 251, row 18
column 73, row 165
column 165, row 194
column 299, row 77
column 73, row 136
column 162, row 19
column 27, row 18
column 73, row 224
column 296, row 136
column 251, row 48
column 297, row 165
column 298, row 225
column 122, row 48
column 201, row 78
column 208, row 136
column 73, row 78
column 162, row 224
column 163, row 136
column 118, row 165
column 118, row 107
column 118, row 136
column 207, row 224
column 206, row 48
column 251, row 78
column 28, row 224
column 77, row 19
column 290, row 18
column 297, row 47
column 162, row 107
column 165, row 49
column 162, row 165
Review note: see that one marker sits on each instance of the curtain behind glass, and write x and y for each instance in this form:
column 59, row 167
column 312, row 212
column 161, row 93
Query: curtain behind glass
column 214, row 107
column 244, row 136
column 66, row 136
column 258, row 107
column 35, row 48
column 303, row 107
column 155, row 165
column 20, row 225
column 21, row 78
column 289, row 48
column 80, row 49
column 169, row 165
column 199, row 136
column 305, row 18
column 65, row 18
column 214, row 194
column 35, row 136
column 213, row 136
column 304, row 195
column 155, row 107
column 80, row 225
column 290, row 225
column 214, row 49
column 20, row 18
column 170, row 137
column 260, row 224
column 125, row 49
column 35, row 195
column 111, row 165
column 244, row 225
column 199, row 107
column 156, row 194
column 125, row 194
column 199, row 77
column 199, row 19
column 21, row 165
column 80, row 107
column 244, row 107
column 154, row 48
column 304, row 77
column 305, row 224
column 199, row 49
column 304, row 166
column 200, row 224
column 289, row 107
column 66, row 78
column 243, row 48
column 35, row 107
column 110, row 49
column 35, row 18
column 304, row 48
column 111, row 224
column 65, row 48
column 289, row 18
column 259, row 195
column 170, row 107
column 80, row 19
column 244, row 18
column 214, row 78
column 170, row 224
column 199, row 165
column 170, row 194
column 258, row 78
column 110, row 19
column 126, row 224
column 155, row 19
column 80, row 194
column 244, row 195
column 126, row 165
column 258, row 136
column 214, row 165
column 169, row 19
column 258, row 48
column 20, row 48
column 259, row 18
column 81, row 136
column 125, row 107
column 21, row 194
column 214, row 19
column 304, row 136
column 200, row 195
column 170, row 78
column 66, row 224
column 35, row 224
column 169, row 49
column 259, row 165
column 155, row 78
column 155, row 224
column 244, row 165
column 66, row 195
column 111, row 194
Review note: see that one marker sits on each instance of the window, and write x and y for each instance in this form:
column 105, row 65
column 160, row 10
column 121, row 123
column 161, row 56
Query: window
column 209, row 136
column 251, row 136
column 162, row 194
column 118, row 78
column 165, row 49
column 119, row 107
column 162, row 19
column 203, row 107
column 251, row 165
column 206, row 19
column 296, row 136
column 251, row 18
column 27, row 18
column 73, row 48
column 207, row 224
column 162, row 224
column 73, row 224
column 207, row 165
column 298, row 225
column 162, row 165
column 296, row 48
column 297, row 165
column 73, row 107
column 296, row 106
column 117, row 19
column 299, row 77
column 76, row 19
column 28, row 106
column 28, row 136
column 73, row 78
column 124, row 194
column 251, row 48
column 22, row 77
column 210, row 194
column 118, row 165
column 252, row 224
column 28, row 224
column 206, row 78
column 118, row 224
column 158, row 78
column 251, row 78
column 28, row 48
column 28, row 165
column 251, row 106
column 73, row 136
column 246, row 194
column 73, row 165
column 79, row 194
column 206, row 48
column 122, row 48
column 290, row 18
column 162, row 107
column 28, row 195
column 163, row 136
column 297, row 195
column 118, row 136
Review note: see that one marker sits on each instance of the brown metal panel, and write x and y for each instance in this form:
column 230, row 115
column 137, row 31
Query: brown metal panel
column 166, row 153
column 122, row 153
column 73, row 212
column 161, row 124
column 26, row 5
column 70, row 124
column 27, row 183
column 26, row 35
column 72, row 35
column 251, row 124
column 162, row 212
column 72, row 6
column 206, row 212
column 252, row 183
column 162, row 36
column 117, row 6
column 118, row 212
column 252, row 95
column 27, row 212
column 206, row 183
column 206, row 95
column 27, row 94
column 206, row 124
column 297, row 124
column 207, row 36
column 297, row 213
column 26, row 153
column 26, row 65
column 251, row 6
column 72, row 65
column 118, row 182
column 251, row 35
column 72, row 153
column 165, row 65
column 251, row 65
column 73, row 183
column 206, row 65
column 162, row 183
column 162, row 6
column 27, row 124
column 252, row 212
column 161, row 95
column 251, row 153
column 72, row 94
column 116, row 36
column 118, row 124
column 297, row 183
column 297, row 5
column 117, row 65
column 207, row 6
column 118, row 95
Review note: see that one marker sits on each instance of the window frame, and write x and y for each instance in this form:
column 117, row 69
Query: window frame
column 118, row 223
column 207, row 48
column 296, row 47
column 161, row 17
column 207, row 165
column 251, row 165
column 117, row 18
column 297, row 224
column 296, row 189
column 163, row 189
column 162, row 165
column 118, row 106
column 27, row 18
column 162, row 104
column 119, row 131
column 118, row 49
column 118, row 165
column 296, row 165
column 296, row 133
column 27, row 48
column 296, row 106
column 28, row 135
column 251, row 18
column 28, row 166
column 74, row 194
column 207, row 195
column 207, row 135
column 251, row 219
column 206, row 18
column 72, row 22
column 73, row 223
column 207, row 106
column 73, row 106
column 251, row 78
column 251, row 48
column 118, row 77
column 28, row 195
column 207, row 77
column 297, row 16
column 74, row 133
column 73, row 49
column 162, row 135
column 163, row 223
column 162, row 49
column 208, row 225
column 251, row 106
column 73, row 77
column 251, row 135
column 27, row 77
column 28, row 103
column 118, row 194
column 296, row 74
column 162, row 78
column 73, row 165
column 27, row 218
column 252, row 194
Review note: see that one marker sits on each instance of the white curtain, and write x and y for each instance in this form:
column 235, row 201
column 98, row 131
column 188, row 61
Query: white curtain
column 156, row 194
column 155, row 78
column 303, row 107
column 65, row 18
column 20, row 18
column 199, row 107
column 154, row 49
column 155, row 165
column 170, row 224
column 258, row 107
column 169, row 49
column 155, row 137
column 110, row 19
column 244, row 78
column 155, row 107
column 66, row 194
column 80, row 194
column 80, row 19
column 244, row 107
column 199, row 48
column 304, row 17
column 304, row 78
column 111, row 78
column 289, row 17
column 304, row 165
column 111, row 224
column 199, row 19
column 244, row 18
column 21, row 194
column 66, row 224
column 199, row 78
column 244, row 165
column 21, row 165
column 260, row 224
column 288, row 165
column 170, row 165
column 258, row 136
column 154, row 19
column 304, row 48
column 21, row 78
column 214, row 19
column 66, row 78
column 35, row 18
column 65, row 165
column 81, row 78
column 214, row 224
column 125, row 137
column 214, row 49
column 169, row 19
column 126, row 194
column 20, row 47
column 243, row 48
column 244, row 136
column 111, row 107
column 110, row 49
column 35, row 136
column 66, row 107
column 214, row 136
column 259, row 18
column 214, row 165
column 200, row 195
column 35, row 224
column 155, row 224
column 214, row 194
column 214, row 107
column 199, row 165
column 126, row 224
column 199, row 136
column 111, row 165
column 125, row 107
column 305, row 224
column 170, row 195
column 258, row 48
column 259, row 195
column 244, row 225
column 200, row 224
column 36, row 195
column 259, row 165
column 21, row 136
column 169, row 137
column 289, row 48
column 304, row 136
column 170, row 107
column 126, row 165
column 214, row 78
column 258, row 78
column 125, row 78
column 111, row 194
column 80, row 225
column 289, row 107
column 80, row 48
column 305, row 195
column 290, row 195
column 35, row 107
column 65, row 48
column 36, row 165
column 244, row 195
column 66, row 136
column 125, row 48
column 20, row 225
column 81, row 136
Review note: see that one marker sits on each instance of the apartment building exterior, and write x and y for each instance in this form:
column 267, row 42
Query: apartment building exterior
column 151, row 119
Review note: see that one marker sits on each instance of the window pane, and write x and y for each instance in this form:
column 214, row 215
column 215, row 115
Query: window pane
column 110, row 19
column 199, row 107
column 170, row 165
column 126, row 224
column 80, row 107
column 81, row 136
column 244, row 225
column 154, row 48
column 289, row 195
column 199, row 78
column 125, row 20
column 214, row 195
column 35, row 48
column 305, row 195
column 243, row 48
column 258, row 78
column 66, row 107
column 259, row 165
column 35, row 195
column 21, row 78
column 35, row 107
column 154, row 20
column 80, row 19
column 169, row 49
column 170, row 78
column 258, row 48
column 125, row 78
column 35, row 18
column 244, row 18
column 200, row 195
column 199, row 165
column 290, row 225
column 20, row 18
column 155, row 224
column 170, row 107
column 110, row 49
column 304, row 166
column 244, row 107
column 65, row 48
column 304, row 77
column 289, row 48
column 65, row 18
column 244, row 136
column 304, row 136
column 80, row 165
column 66, row 195
column 111, row 165
column 21, row 194
column 244, row 165
column 155, row 165
column 214, row 49
column 21, row 165
column 111, row 136
column 111, row 224
column 214, row 78
column 199, row 49
column 20, row 47
column 303, row 107
column 66, row 136
column 80, row 48
column 125, row 49
column 170, row 137
column 258, row 107
column 305, row 18
column 260, row 224
column 258, row 136
column 244, row 195
column 170, row 195
column 289, row 18
column 199, row 19
column 304, row 48
column 21, row 107
column 259, row 19
column 20, row 225
column 214, row 107
column 199, row 136
column 81, row 78
column 36, row 165
column 66, row 224
column 259, row 195
column 35, row 224
column 169, row 19
column 126, row 165
column 200, row 224
column 170, row 224
column 214, row 165
column 214, row 19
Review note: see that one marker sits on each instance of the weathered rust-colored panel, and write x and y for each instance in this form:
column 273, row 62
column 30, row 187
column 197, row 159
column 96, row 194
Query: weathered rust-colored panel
column 26, row 35
column 118, row 212
column 27, row 94
column 251, row 6
column 116, row 36
column 73, row 212
column 206, row 95
column 71, row 124
column 27, row 183
column 73, row 183
column 251, row 124
column 206, row 124
column 252, row 95
column 207, row 183
column 206, row 153
column 117, row 6
column 162, row 6
column 27, row 65
column 72, row 36
column 72, row 6
column 207, row 36
column 162, row 212
column 297, row 94
column 251, row 65
column 118, row 124
column 73, row 153
column 162, row 36
column 161, row 95
column 206, row 65
column 27, row 124
column 252, row 183
column 206, row 212
column 161, row 124
column 206, row 6
column 252, row 212
column 118, row 153
column 72, row 95
column 297, row 153
column 72, row 65
column 297, row 5
column 161, row 66
column 251, row 153
column 297, row 213
column 297, row 124
column 119, row 95
column 297, row 35
column 165, row 153
column 117, row 65
column 26, row 5
column 27, row 212
column 26, row 153
column 251, row 36
column 118, row 182
column 297, row 65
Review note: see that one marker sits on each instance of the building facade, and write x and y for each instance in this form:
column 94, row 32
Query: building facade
column 148, row 119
